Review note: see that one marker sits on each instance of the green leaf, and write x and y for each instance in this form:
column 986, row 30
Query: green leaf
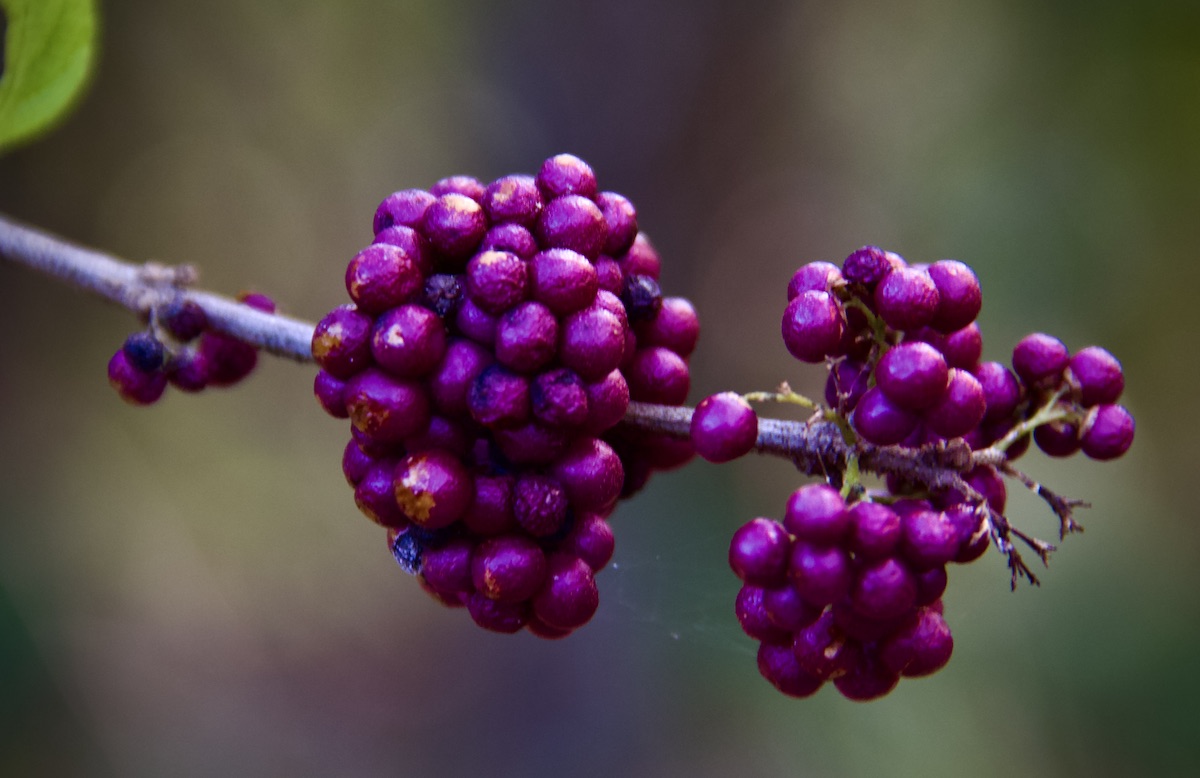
column 49, row 47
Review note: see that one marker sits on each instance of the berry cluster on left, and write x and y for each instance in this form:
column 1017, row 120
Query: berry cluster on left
column 495, row 337
column 180, row 349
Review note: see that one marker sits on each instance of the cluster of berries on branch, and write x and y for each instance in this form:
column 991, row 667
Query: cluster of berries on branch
column 848, row 587
column 495, row 337
column 180, row 349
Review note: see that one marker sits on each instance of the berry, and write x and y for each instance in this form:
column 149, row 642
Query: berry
column 526, row 337
column 724, row 427
column 432, row 488
column 813, row 324
column 569, row 597
column 184, row 319
column 874, row 530
column 658, row 375
column 1098, row 375
column 814, row 277
column 496, row 281
column 913, row 375
column 817, row 513
column 386, row 409
column 959, row 296
column 572, row 222
column 135, row 385
column 907, row 298
column 759, row 552
column 821, row 574
column 513, row 199
column 621, row 218
column 866, row 266
column 1107, row 432
column 341, row 342
column 509, row 568
column 408, row 341
column 1039, row 357
column 778, row 664
column 883, row 590
column 880, row 421
column 454, row 224
column 1001, row 391
column 539, row 505
column 562, row 280
column 566, row 174
column 382, row 276
column 467, row 186
column 405, row 208
column 961, row 407
column 674, row 326
column 641, row 297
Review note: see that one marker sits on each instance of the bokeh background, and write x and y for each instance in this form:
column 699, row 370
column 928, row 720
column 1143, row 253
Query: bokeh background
column 189, row 590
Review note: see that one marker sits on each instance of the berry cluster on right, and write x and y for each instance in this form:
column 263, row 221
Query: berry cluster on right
column 847, row 589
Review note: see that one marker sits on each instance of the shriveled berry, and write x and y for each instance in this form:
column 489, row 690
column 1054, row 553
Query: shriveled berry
column 723, row 427
column 558, row 398
column 641, row 296
column 443, row 294
column 184, row 319
column 228, row 360
column 447, row 568
column 499, row 398
column 866, row 266
column 539, row 505
column 847, row 382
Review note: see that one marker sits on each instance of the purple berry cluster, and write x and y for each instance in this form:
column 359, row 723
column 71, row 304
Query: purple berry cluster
column 180, row 349
column 848, row 587
column 495, row 337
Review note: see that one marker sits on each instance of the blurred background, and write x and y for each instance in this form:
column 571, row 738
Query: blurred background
column 189, row 590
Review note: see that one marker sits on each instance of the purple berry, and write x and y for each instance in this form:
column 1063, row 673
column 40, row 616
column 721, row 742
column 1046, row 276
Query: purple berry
column 562, row 280
column 476, row 323
column 566, row 174
column 184, row 319
column 375, row 495
column 405, row 208
column 448, row 568
column 931, row 584
column 572, row 222
column 408, row 341
column 753, row 618
column 331, row 394
column 866, row 266
column 821, row 574
column 820, row 649
column 658, row 375
column 929, row 538
column 913, row 375
column 461, row 364
column 526, row 337
column 188, row 370
column 1057, row 439
column 641, row 297
column 814, row 277
column 883, row 590
column 880, row 421
column 499, row 398
column 411, row 242
column 496, row 281
column 491, row 510
column 144, row 351
column 759, row 553
column 1098, row 375
column 382, row 276
column 724, row 427
column 921, row 647
column 228, row 360
column 960, row 409
column 590, row 539
column 498, row 616
column 136, row 386
column 539, row 504
column 513, row 199
column 642, row 259
column 787, row 609
column 959, row 296
column 508, row 568
column 874, row 530
column 454, row 225
column 512, row 238
column 607, row 401
column 1107, row 432
column 355, row 463
column 1001, row 391
column 813, row 324
column 906, row 298
column 675, row 326
column 1039, row 357
column 433, row 489
column 847, row 382
column 867, row 678
column 386, row 409
column 778, row 664
column 468, row 186
column 592, row 474
column 569, row 597
column 558, row 398
column 530, row 444
column 341, row 342
column 817, row 513
column 621, row 218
